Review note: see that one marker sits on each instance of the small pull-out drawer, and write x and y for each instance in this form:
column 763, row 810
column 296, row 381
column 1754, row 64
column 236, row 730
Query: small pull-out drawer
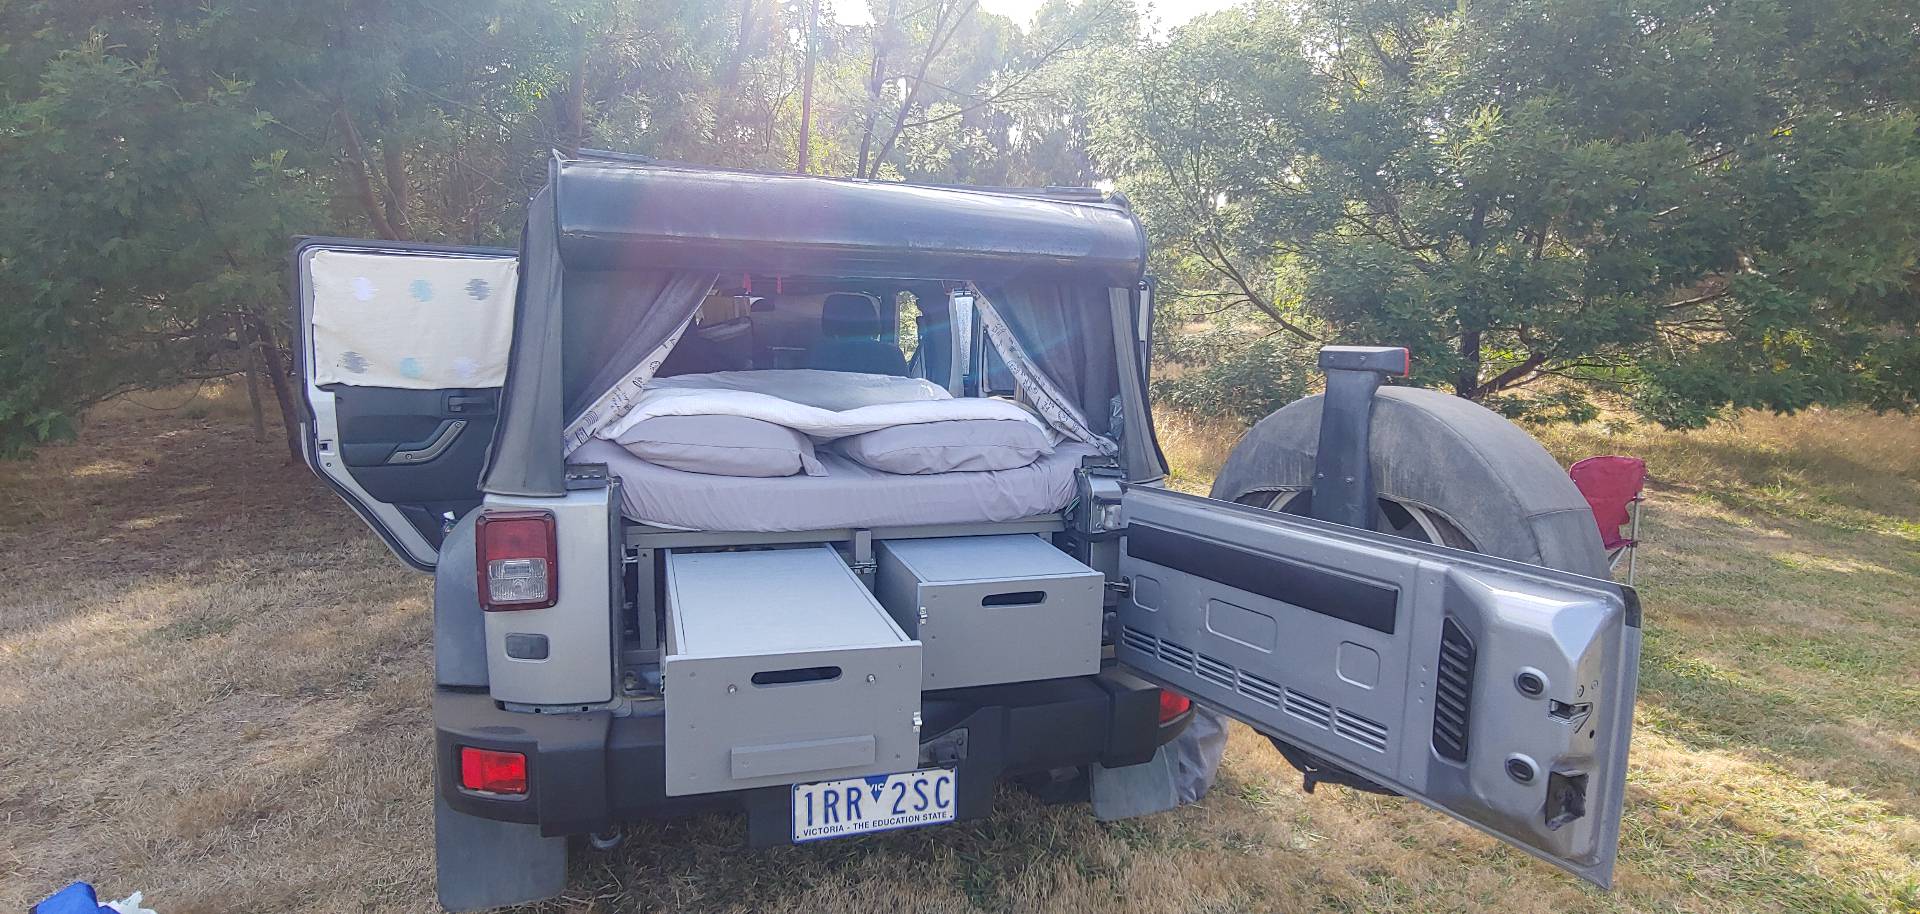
column 993, row 609
column 781, row 668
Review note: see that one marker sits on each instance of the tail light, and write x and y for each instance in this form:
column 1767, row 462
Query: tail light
column 518, row 560
column 1173, row 704
column 493, row 771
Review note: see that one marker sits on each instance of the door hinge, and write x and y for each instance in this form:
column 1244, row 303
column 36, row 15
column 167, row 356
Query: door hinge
column 1122, row 588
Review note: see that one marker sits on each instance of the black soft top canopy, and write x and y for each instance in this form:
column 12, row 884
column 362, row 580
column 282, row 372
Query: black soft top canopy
column 635, row 213
column 619, row 251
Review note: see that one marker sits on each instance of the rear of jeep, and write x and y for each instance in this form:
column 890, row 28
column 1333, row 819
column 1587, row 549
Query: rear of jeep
column 855, row 650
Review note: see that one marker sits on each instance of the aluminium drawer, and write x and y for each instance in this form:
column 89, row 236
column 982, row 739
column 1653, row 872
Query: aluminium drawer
column 781, row 668
column 992, row 609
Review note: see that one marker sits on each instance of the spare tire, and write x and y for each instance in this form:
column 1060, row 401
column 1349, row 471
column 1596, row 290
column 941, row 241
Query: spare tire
column 1446, row 470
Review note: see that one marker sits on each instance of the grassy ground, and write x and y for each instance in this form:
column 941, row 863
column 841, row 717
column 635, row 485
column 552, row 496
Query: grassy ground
column 213, row 687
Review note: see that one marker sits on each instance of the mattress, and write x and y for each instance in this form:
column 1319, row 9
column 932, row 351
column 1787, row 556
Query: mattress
column 850, row 495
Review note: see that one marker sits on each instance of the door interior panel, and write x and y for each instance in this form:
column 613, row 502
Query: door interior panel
column 421, row 450
column 1497, row 692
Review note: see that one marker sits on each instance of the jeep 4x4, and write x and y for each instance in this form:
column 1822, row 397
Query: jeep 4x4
column 705, row 535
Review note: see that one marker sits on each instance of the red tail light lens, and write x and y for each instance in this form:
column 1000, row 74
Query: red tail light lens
column 1173, row 704
column 493, row 771
column 518, row 560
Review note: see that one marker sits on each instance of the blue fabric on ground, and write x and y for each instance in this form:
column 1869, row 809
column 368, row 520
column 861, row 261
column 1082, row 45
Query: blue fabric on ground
column 77, row 898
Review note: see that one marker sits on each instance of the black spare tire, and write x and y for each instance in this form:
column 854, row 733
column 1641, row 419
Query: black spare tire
column 1446, row 470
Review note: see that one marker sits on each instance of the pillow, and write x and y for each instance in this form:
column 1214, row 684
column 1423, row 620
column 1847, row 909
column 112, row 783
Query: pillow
column 722, row 446
column 958, row 445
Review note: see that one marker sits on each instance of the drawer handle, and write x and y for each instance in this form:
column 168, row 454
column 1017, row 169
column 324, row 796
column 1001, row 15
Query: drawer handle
column 1015, row 598
column 798, row 674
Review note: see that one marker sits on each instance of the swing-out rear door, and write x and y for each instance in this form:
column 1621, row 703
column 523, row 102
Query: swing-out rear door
column 1497, row 692
column 403, row 354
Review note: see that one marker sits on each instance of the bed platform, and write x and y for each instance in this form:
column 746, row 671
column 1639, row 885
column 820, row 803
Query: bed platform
column 850, row 496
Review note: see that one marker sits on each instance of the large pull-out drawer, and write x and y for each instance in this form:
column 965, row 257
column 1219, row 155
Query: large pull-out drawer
column 781, row 668
column 993, row 609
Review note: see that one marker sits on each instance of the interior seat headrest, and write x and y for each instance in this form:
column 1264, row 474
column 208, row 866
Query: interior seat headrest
column 848, row 314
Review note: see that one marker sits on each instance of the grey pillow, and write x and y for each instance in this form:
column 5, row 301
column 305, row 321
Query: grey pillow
column 722, row 446
column 959, row 445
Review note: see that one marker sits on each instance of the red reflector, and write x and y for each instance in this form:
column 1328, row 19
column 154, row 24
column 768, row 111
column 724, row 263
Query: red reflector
column 493, row 771
column 1172, row 705
column 518, row 559
column 1406, row 362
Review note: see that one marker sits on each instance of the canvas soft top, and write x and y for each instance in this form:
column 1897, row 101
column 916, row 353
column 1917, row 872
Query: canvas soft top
column 629, row 212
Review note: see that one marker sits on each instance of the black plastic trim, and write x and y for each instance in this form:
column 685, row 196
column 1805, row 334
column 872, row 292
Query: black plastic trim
column 1362, row 603
column 591, row 771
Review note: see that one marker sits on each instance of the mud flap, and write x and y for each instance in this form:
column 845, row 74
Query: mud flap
column 481, row 864
column 1136, row 790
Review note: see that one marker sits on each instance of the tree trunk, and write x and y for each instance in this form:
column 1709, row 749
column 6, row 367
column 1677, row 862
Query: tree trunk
column 806, row 91
column 274, row 359
column 399, row 187
column 876, row 83
column 253, row 395
column 356, row 166
column 1467, row 382
column 743, row 46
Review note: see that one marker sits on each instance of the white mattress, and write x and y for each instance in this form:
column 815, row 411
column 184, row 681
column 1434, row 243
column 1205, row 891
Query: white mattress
column 850, row 495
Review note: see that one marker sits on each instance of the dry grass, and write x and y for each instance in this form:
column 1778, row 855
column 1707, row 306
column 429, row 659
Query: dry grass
column 215, row 682
column 1195, row 448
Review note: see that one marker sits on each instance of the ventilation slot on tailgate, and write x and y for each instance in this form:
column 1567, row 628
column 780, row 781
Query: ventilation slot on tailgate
column 1453, row 692
column 1360, row 730
column 1221, row 674
column 1308, row 708
column 1261, row 690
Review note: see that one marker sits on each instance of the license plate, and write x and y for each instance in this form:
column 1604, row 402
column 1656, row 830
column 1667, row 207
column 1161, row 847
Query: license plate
column 855, row 806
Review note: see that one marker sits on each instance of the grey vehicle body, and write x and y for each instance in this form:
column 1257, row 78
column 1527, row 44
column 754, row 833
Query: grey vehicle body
column 1495, row 691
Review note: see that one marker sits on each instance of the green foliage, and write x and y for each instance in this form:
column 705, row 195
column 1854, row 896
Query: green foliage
column 159, row 157
column 1235, row 369
column 134, row 248
column 1701, row 206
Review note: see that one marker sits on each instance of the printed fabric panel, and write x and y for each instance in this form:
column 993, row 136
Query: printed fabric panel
column 412, row 321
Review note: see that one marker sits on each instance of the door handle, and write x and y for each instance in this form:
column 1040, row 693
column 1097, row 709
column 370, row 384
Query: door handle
column 465, row 403
column 423, row 451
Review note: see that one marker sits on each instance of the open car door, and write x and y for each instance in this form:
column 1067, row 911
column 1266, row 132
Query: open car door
column 403, row 351
column 1497, row 692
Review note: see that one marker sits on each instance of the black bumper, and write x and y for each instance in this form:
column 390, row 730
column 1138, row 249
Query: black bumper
column 591, row 772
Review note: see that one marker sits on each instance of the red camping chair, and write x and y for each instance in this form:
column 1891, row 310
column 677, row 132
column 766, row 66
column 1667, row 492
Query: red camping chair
column 1614, row 487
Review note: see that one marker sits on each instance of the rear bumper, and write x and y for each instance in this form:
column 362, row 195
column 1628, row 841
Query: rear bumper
column 591, row 772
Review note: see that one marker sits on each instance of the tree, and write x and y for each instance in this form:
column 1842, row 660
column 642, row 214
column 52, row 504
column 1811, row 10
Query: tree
column 133, row 251
column 1703, row 206
column 161, row 157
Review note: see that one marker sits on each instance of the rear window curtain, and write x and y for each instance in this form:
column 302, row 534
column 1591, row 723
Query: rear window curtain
column 1066, row 335
column 619, row 327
